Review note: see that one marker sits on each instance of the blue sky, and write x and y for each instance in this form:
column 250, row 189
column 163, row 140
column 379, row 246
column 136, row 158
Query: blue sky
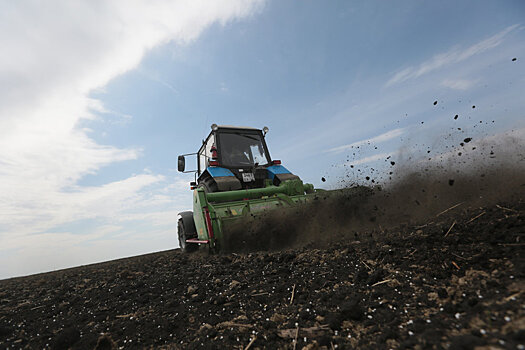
column 93, row 117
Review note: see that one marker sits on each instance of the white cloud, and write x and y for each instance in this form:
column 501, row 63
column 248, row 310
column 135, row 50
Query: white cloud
column 454, row 55
column 369, row 159
column 223, row 87
column 53, row 251
column 155, row 77
column 458, row 84
column 54, row 56
column 374, row 140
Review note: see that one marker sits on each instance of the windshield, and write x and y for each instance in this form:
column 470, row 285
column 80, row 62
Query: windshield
column 242, row 149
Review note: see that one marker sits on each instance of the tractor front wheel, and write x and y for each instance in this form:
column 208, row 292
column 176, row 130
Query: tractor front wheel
column 183, row 236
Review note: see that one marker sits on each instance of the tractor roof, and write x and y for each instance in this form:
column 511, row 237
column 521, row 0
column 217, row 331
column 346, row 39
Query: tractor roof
column 236, row 127
column 223, row 127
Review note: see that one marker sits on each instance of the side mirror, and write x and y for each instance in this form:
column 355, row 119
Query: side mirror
column 181, row 163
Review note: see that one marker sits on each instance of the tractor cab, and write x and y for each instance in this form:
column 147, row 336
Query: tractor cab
column 234, row 158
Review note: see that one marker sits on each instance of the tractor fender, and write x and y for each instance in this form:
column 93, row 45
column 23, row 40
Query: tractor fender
column 279, row 174
column 223, row 178
column 187, row 221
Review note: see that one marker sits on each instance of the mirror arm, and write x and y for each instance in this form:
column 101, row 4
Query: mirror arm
column 186, row 171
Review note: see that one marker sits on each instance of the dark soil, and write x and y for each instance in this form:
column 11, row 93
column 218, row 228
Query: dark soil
column 455, row 282
column 427, row 264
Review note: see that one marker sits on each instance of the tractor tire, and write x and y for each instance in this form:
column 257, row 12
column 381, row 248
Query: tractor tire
column 208, row 185
column 186, row 232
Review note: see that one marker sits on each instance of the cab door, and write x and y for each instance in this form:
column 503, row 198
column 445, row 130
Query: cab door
column 205, row 153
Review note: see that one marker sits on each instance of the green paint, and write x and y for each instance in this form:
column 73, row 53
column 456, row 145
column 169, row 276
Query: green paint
column 227, row 207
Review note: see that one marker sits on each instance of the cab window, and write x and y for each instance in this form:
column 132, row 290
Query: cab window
column 205, row 153
column 241, row 149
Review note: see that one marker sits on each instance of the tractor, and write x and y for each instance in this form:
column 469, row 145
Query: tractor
column 235, row 178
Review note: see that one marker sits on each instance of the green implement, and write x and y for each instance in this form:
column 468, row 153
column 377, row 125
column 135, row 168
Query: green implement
column 215, row 212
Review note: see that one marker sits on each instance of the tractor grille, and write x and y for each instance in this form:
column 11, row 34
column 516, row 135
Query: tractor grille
column 260, row 174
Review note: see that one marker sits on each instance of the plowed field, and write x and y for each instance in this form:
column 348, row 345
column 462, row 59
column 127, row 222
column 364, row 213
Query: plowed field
column 450, row 276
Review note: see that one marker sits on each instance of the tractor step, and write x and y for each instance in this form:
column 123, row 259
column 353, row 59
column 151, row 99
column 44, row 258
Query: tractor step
column 192, row 240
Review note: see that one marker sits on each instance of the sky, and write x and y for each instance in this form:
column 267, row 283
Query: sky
column 97, row 99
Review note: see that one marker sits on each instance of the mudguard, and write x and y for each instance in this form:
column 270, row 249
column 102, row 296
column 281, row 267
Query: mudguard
column 224, row 179
column 187, row 221
column 278, row 174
